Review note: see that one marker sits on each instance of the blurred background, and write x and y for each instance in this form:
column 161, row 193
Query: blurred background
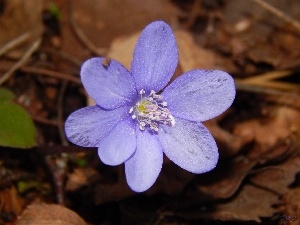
column 46, row 180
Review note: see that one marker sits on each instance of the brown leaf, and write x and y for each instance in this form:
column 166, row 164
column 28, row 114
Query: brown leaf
column 277, row 178
column 192, row 56
column 249, row 205
column 171, row 181
column 102, row 21
column 225, row 180
column 111, row 192
column 18, row 18
column 10, row 201
column 79, row 178
column 228, row 143
column 40, row 213
column 279, row 124
column 291, row 208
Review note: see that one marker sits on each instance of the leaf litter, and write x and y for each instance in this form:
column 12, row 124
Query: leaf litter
column 257, row 178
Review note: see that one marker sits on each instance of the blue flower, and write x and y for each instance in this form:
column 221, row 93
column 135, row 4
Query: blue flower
column 136, row 118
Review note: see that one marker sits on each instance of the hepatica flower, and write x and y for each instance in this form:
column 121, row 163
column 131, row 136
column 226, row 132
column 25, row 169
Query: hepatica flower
column 136, row 120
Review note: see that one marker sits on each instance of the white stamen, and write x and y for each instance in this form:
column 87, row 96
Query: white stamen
column 150, row 111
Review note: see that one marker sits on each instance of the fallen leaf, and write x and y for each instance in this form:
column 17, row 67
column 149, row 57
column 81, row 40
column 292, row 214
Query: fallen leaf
column 10, row 201
column 193, row 56
column 291, row 209
column 18, row 18
column 225, row 180
column 41, row 213
column 80, row 177
column 277, row 178
column 279, row 124
column 250, row 204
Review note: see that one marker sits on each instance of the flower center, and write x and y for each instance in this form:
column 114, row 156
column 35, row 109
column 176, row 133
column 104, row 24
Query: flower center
column 150, row 111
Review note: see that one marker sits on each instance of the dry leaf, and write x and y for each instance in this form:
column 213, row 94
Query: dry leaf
column 228, row 143
column 79, row 178
column 100, row 20
column 291, row 209
column 225, row 180
column 10, row 201
column 192, row 56
column 40, row 214
column 249, row 205
column 20, row 17
column 277, row 178
column 172, row 180
column 280, row 124
column 111, row 192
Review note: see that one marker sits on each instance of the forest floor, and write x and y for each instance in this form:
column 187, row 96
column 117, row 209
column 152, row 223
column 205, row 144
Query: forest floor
column 257, row 179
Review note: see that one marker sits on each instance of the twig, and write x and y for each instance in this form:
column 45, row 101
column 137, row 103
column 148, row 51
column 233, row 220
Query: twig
column 194, row 14
column 43, row 72
column 278, row 13
column 60, row 114
column 81, row 36
column 64, row 55
column 273, row 75
column 273, row 95
column 21, row 62
column 45, row 121
column 58, row 149
column 269, row 80
column 242, row 86
column 57, row 166
column 15, row 42
column 51, row 73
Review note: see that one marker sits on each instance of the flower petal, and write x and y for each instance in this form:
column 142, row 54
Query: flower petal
column 155, row 57
column 109, row 84
column 87, row 126
column 119, row 144
column 189, row 145
column 144, row 166
column 200, row 95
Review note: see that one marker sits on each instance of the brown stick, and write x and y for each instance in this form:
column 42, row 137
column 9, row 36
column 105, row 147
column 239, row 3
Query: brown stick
column 14, row 43
column 278, row 13
column 51, row 73
column 21, row 62
column 83, row 38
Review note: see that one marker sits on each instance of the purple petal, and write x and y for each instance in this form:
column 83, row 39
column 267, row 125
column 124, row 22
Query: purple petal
column 189, row 145
column 144, row 166
column 155, row 57
column 88, row 126
column 119, row 144
column 110, row 85
column 200, row 95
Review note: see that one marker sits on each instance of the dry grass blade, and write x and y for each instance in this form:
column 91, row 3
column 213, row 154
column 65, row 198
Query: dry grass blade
column 22, row 61
column 269, row 80
column 12, row 44
column 83, row 38
column 278, row 13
